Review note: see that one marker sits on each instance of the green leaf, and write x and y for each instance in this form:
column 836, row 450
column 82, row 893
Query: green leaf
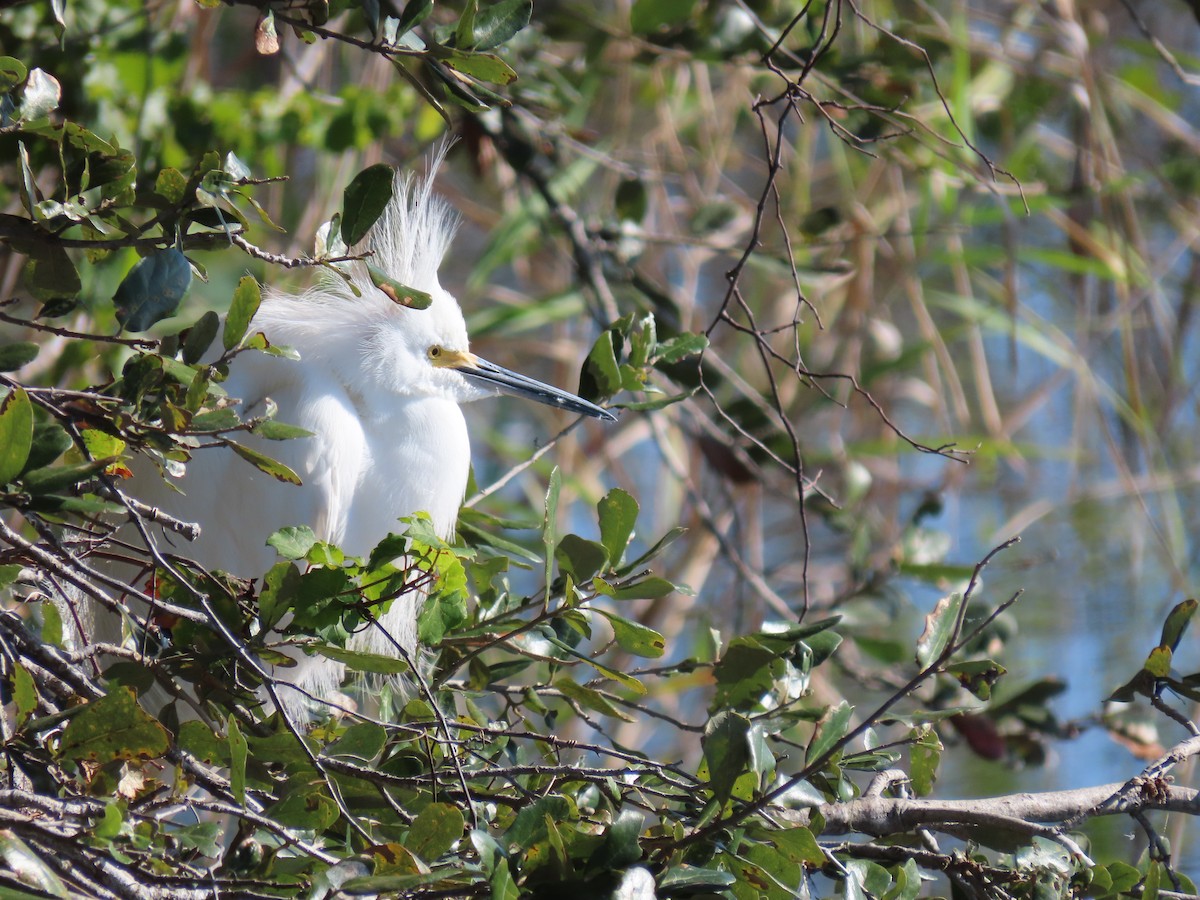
column 726, row 750
column 9, row 573
column 484, row 66
column 659, row 546
column 171, row 185
column 497, row 23
column 415, row 12
column 644, row 589
column 648, row 16
column 101, row 444
column 54, row 478
column 400, row 294
column 617, row 512
column 627, row 681
column 464, row 31
column 529, row 825
column 642, row 341
column 239, row 751
column 16, row 433
column 17, row 354
column 435, row 830
column 50, row 274
column 589, row 698
column 680, row 348
column 109, row 825
column 280, row 587
column 200, row 337
column 502, row 884
column 621, row 847
column 12, row 73
column 798, row 845
column 1177, row 623
column 940, row 627
column 373, row 663
column 550, row 522
column 50, row 441
column 362, row 741
column 831, row 730
column 977, row 675
column 264, row 463
column 293, row 542
column 925, row 755
column 279, row 431
column 113, row 727
column 199, row 740
column 246, row 299
column 635, row 638
column 601, row 376
column 24, row 693
column 152, row 290
column 215, row 420
column 364, row 201
column 309, row 807
column 579, row 558
column 1153, row 883
column 693, row 880
column 1158, row 663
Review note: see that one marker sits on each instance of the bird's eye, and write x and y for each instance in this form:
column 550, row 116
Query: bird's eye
column 435, row 351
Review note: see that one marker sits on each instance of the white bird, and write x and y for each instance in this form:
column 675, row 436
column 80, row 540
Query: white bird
column 379, row 386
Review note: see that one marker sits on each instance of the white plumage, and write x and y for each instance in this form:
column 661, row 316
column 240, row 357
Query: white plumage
column 379, row 385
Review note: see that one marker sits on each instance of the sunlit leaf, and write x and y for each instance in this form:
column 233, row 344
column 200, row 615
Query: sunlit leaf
column 293, row 542
column 484, row 66
column 831, row 730
column 680, row 348
column 246, row 299
column 264, row 463
column 40, row 97
column 113, row 727
column 373, row 663
column 635, row 638
column 940, row 628
column 171, row 185
column 279, row 431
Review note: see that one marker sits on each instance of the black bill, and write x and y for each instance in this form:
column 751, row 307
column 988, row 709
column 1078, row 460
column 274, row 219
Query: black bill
column 509, row 382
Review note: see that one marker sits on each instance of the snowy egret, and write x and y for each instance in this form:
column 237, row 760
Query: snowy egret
column 379, row 386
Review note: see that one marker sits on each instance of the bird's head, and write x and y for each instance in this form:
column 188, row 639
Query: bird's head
column 425, row 352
